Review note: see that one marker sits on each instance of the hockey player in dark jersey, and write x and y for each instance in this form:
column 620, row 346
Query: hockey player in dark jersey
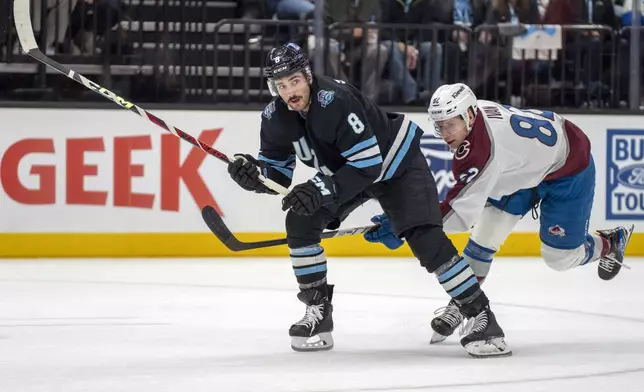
column 360, row 152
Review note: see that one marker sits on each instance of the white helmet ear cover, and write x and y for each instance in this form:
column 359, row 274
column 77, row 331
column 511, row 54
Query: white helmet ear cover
column 466, row 117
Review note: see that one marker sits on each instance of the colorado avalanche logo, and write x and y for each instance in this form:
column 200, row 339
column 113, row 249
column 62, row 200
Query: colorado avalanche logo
column 269, row 110
column 556, row 230
column 462, row 151
column 325, row 97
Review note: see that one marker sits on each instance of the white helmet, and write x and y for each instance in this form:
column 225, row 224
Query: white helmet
column 451, row 100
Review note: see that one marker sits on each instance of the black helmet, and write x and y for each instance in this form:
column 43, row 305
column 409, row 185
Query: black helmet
column 285, row 60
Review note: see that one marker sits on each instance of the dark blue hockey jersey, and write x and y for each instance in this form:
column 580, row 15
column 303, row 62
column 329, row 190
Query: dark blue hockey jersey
column 344, row 136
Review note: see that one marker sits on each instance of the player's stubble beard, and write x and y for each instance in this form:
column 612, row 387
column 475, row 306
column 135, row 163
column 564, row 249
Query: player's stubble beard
column 302, row 102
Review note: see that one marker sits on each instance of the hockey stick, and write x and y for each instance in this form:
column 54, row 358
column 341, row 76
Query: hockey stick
column 219, row 228
column 27, row 39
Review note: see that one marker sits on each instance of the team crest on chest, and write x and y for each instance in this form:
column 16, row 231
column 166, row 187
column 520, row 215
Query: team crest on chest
column 269, row 110
column 325, row 97
column 462, row 151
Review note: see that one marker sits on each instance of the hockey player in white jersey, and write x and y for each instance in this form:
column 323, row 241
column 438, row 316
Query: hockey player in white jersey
column 506, row 163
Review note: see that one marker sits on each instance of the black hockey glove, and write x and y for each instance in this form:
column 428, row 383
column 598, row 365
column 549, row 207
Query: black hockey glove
column 308, row 197
column 244, row 170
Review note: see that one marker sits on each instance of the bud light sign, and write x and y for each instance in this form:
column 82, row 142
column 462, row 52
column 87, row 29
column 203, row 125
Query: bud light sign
column 439, row 159
column 625, row 174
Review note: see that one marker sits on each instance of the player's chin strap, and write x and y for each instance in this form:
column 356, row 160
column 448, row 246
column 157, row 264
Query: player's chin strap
column 466, row 117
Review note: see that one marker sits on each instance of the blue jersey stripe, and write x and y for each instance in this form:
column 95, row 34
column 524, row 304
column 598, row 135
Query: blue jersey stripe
column 360, row 146
column 273, row 162
column 366, row 163
column 402, row 152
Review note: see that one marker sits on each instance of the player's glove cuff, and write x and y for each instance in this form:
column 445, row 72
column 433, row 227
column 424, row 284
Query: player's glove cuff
column 307, row 198
column 384, row 234
column 326, row 187
column 245, row 171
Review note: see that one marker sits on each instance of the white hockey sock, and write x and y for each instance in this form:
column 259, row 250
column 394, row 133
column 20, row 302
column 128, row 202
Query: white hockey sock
column 599, row 247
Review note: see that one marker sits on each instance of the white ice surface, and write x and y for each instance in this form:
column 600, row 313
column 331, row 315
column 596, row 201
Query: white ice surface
column 151, row 325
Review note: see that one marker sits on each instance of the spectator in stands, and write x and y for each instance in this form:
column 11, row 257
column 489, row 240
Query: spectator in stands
column 510, row 11
column 415, row 50
column 625, row 14
column 250, row 9
column 469, row 14
column 466, row 16
column 93, row 21
column 290, row 9
column 493, row 47
column 356, row 49
column 57, row 18
column 542, row 5
column 593, row 47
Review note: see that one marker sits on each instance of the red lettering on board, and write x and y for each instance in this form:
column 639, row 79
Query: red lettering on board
column 46, row 192
column 77, row 170
column 124, row 171
column 173, row 172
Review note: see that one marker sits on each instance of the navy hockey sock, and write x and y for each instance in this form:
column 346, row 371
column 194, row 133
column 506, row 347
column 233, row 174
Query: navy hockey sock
column 309, row 265
column 458, row 280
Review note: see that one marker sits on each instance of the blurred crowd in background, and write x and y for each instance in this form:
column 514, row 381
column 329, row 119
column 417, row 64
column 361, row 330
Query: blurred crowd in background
column 397, row 51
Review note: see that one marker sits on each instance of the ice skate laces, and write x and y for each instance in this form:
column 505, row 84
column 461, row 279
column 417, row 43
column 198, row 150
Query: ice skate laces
column 312, row 316
column 466, row 327
column 480, row 323
column 450, row 314
column 607, row 264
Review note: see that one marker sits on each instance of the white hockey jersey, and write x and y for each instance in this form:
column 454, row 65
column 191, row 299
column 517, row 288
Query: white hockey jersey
column 508, row 150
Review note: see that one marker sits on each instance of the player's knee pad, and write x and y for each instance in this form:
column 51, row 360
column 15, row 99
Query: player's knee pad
column 301, row 230
column 430, row 245
column 563, row 259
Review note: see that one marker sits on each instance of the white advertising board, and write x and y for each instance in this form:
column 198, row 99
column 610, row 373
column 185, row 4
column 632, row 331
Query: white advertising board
column 65, row 171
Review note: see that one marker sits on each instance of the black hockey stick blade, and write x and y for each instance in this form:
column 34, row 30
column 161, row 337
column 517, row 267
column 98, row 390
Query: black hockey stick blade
column 219, row 229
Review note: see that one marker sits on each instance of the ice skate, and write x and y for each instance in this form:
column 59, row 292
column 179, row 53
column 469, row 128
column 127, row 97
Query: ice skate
column 611, row 264
column 313, row 331
column 486, row 338
column 446, row 323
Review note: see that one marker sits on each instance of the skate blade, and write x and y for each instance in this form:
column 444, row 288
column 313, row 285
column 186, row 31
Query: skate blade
column 320, row 342
column 437, row 338
column 495, row 347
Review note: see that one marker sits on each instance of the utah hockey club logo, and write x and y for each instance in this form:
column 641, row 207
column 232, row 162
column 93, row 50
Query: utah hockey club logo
column 269, row 110
column 557, row 230
column 625, row 174
column 325, row 97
